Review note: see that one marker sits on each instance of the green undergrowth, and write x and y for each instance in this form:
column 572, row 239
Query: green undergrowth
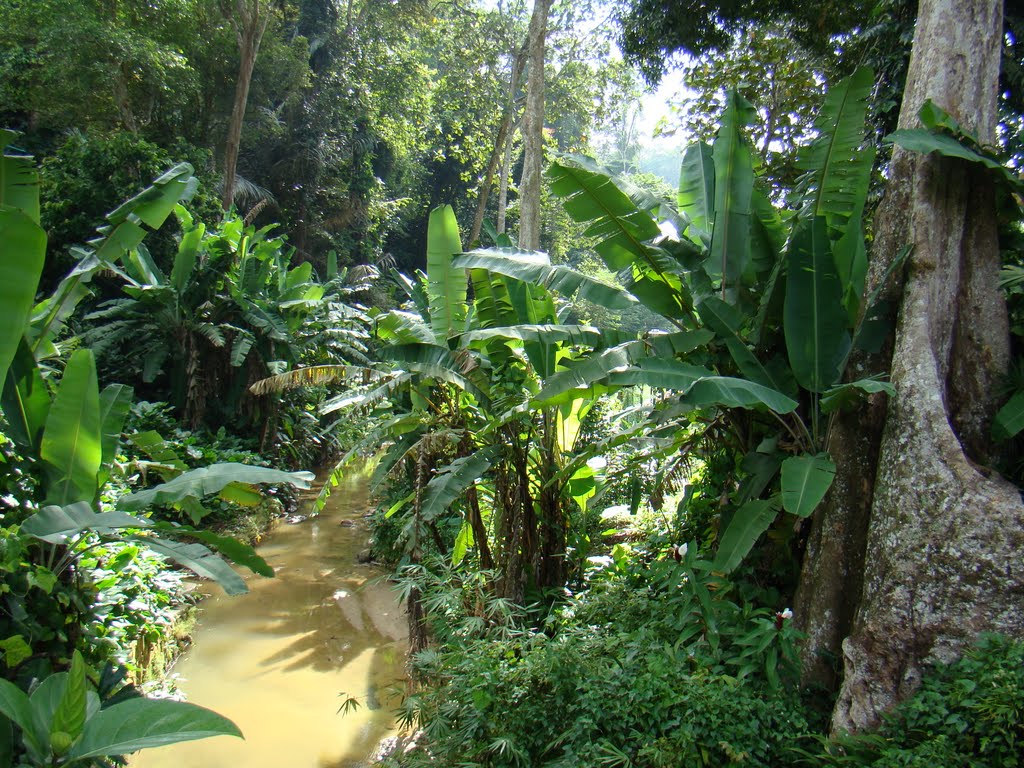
column 660, row 664
column 663, row 663
column 968, row 714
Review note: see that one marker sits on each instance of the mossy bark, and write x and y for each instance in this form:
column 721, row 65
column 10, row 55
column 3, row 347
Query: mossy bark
column 942, row 560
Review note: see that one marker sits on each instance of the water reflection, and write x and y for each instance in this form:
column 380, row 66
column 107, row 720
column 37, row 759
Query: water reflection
column 277, row 660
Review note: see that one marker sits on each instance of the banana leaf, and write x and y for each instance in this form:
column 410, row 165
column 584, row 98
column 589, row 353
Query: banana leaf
column 535, row 268
column 805, row 481
column 115, row 402
column 815, row 327
column 750, row 521
column 1009, row 420
column 141, row 723
column 71, row 447
column 737, row 393
column 734, row 185
column 19, row 182
column 211, row 479
column 446, row 284
column 845, row 395
column 837, row 165
column 696, row 196
column 22, row 252
column 25, row 400
column 550, row 334
column 445, row 487
column 591, row 196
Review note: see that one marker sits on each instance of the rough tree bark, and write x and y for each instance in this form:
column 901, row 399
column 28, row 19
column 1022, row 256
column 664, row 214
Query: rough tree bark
column 942, row 558
column 533, row 129
column 249, row 18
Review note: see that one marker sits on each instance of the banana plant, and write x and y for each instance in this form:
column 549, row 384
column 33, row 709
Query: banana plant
column 769, row 303
column 232, row 310
column 74, row 433
column 460, row 377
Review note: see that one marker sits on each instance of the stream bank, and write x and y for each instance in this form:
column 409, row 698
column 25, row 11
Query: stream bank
column 280, row 660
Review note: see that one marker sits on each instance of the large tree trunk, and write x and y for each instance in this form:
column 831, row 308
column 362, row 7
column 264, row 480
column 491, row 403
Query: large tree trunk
column 943, row 549
column 250, row 19
column 533, row 130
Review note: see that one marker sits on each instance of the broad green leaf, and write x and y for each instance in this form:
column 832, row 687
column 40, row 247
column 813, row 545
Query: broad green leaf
column 22, row 252
column 143, row 723
column 69, row 717
column 115, row 402
column 233, row 549
column 589, row 370
column 750, row 521
column 696, row 196
column 462, row 543
column 153, row 445
column 590, row 195
column 925, row 142
column 212, row 479
column 394, row 508
column 15, row 650
column 805, row 481
column 240, row 347
column 1009, row 420
column 71, row 447
column 851, row 258
column 445, row 487
column 6, row 743
column 737, row 393
column 660, row 373
column 837, row 163
column 534, row 268
column 188, row 251
column 367, row 398
column 56, row 525
column 14, row 704
column 49, row 315
column 239, row 493
column 154, row 204
column 25, row 400
column 734, row 186
column 436, row 362
column 198, row 559
column 815, row 319
column 846, row 394
column 446, row 285
column 726, row 321
column 761, row 468
column 548, row 334
column 403, row 328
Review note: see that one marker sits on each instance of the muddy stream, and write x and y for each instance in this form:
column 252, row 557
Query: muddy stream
column 278, row 659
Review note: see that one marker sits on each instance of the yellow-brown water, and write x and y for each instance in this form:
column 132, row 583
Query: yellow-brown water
column 277, row 660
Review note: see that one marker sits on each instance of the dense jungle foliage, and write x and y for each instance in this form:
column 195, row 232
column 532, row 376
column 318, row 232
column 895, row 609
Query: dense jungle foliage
column 243, row 240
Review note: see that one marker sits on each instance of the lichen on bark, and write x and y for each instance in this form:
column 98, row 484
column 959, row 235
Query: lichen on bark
column 942, row 560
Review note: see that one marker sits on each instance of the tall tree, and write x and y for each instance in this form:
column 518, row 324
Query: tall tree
column 943, row 546
column 249, row 18
column 533, row 129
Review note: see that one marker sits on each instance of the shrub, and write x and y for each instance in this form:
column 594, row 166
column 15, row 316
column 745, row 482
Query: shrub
column 968, row 714
column 649, row 669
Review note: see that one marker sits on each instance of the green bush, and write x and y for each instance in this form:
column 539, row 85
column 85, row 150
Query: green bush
column 649, row 669
column 968, row 714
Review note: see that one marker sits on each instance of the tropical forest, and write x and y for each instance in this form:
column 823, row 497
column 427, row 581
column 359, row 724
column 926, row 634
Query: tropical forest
column 511, row 383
